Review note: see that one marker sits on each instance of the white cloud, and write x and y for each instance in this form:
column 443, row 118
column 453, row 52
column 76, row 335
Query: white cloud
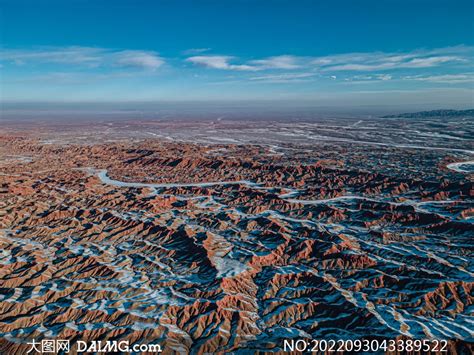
column 383, row 77
column 387, row 65
column 83, row 56
column 193, row 51
column 140, row 59
column 444, row 79
column 68, row 55
column 322, row 61
column 277, row 62
column 369, row 77
column 287, row 62
column 219, row 62
column 357, row 62
column 68, row 64
column 391, row 61
column 283, row 78
column 431, row 61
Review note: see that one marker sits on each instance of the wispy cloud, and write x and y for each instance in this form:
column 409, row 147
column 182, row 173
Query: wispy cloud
column 284, row 77
column 444, row 79
column 347, row 62
column 194, row 51
column 371, row 77
column 85, row 56
column 140, row 59
column 85, row 70
column 380, row 61
column 219, row 62
column 151, row 60
column 287, row 62
column 277, row 62
column 61, row 55
column 387, row 65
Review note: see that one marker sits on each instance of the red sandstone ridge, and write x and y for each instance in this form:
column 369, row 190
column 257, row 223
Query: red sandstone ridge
column 214, row 248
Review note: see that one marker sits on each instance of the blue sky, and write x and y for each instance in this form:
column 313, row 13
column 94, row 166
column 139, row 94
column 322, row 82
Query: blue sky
column 328, row 52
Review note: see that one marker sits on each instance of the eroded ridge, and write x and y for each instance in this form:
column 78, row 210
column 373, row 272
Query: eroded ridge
column 227, row 247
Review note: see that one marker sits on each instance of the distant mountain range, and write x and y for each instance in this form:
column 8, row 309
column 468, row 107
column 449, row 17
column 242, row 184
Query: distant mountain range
column 434, row 113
